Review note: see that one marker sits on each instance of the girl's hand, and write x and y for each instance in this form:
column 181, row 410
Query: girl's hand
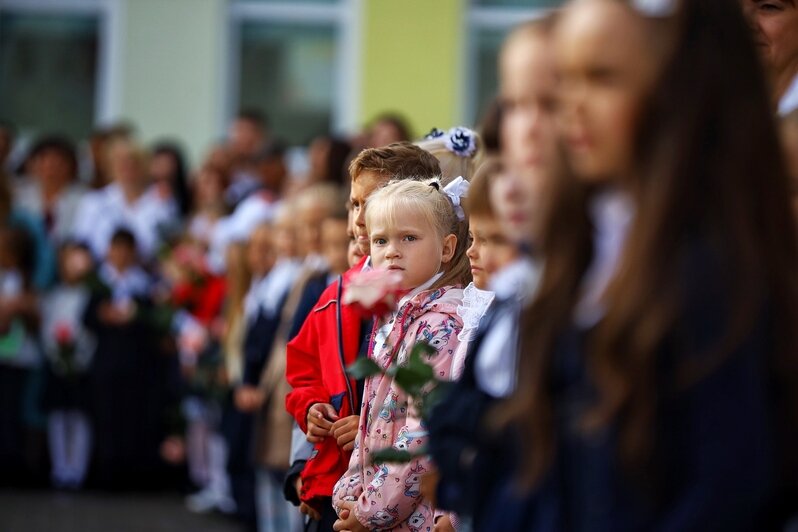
column 347, row 522
column 345, row 431
column 248, row 398
column 306, row 509
column 321, row 417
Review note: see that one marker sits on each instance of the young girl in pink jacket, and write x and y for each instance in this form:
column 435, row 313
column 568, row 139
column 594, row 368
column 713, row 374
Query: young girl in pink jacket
column 418, row 230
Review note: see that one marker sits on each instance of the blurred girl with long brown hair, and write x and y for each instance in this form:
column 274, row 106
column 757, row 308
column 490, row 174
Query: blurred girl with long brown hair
column 658, row 359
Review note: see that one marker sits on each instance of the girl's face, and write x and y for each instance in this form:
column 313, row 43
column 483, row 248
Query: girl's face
column 516, row 200
column 126, row 168
column 285, row 238
column 309, row 222
column 209, row 188
column 527, row 76
column 75, row 264
column 408, row 244
column 606, row 67
column 528, row 133
column 490, row 250
column 162, row 167
column 260, row 251
column 335, row 249
column 775, row 25
column 121, row 256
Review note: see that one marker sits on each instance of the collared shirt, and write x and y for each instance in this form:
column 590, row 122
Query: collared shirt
column 789, row 102
column 612, row 213
column 496, row 360
column 267, row 293
column 104, row 211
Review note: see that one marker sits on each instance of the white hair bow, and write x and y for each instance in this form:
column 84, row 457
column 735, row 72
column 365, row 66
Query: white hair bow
column 656, row 8
column 456, row 190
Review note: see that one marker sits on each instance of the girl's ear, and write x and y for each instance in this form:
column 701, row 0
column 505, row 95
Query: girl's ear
column 449, row 245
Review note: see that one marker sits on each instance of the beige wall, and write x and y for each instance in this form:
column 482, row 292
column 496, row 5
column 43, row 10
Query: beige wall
column 171, row 79
column 411, row 61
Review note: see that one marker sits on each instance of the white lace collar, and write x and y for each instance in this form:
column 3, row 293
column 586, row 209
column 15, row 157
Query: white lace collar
column 475, row 304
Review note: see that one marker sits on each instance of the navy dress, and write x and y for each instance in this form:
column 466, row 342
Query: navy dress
column 714, row 460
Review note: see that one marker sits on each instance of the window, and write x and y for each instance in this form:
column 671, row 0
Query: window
column 489, row 22
column 54, row 61
column 293, row 62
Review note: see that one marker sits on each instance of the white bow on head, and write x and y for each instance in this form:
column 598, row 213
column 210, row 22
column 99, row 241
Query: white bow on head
column 656, row 8
column 456, row 190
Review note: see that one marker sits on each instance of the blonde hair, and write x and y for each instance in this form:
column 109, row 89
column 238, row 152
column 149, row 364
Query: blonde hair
column 125, row 146
column 452, row 164
column 325, row 196
column 431, row 203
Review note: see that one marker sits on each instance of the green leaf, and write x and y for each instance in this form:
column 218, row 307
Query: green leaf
column 392, row 455
column 421, row 350
column 434, row 397
column 362, row 368
column 409, row 381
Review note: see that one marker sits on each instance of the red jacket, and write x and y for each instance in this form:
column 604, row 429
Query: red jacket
column 316, row 359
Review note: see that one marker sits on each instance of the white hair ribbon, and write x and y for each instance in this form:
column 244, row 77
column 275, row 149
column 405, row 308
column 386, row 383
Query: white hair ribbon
column 656, row 8
column 456, row 190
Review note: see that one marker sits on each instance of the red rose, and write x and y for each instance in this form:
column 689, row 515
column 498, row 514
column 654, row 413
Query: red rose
column 63, row 333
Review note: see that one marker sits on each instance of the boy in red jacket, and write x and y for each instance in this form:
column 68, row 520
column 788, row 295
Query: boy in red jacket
column 324, row 401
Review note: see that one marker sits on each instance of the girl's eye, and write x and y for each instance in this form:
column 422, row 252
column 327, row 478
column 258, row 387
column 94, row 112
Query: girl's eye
column 410, row 238
column 379, row 241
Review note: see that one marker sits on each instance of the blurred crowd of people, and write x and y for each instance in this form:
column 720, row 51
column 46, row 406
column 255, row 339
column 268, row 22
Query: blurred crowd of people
column 604, row 277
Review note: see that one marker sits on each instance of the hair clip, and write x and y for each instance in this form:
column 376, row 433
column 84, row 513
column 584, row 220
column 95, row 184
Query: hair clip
column 656, row 8
column 462, row 141
column 434, row 133
column 456, row 190
column 435, row 183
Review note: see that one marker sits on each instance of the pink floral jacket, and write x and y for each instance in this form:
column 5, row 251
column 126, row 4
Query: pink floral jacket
column 388, row 495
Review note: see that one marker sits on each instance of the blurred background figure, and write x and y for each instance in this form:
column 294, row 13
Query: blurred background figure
column 775, row 28
column 51, row 191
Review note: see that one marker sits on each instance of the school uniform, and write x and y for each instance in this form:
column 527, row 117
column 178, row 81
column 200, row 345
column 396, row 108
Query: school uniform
column 263, row 306
column 129, row 383
column 103, row 211
column 463, row 451
column 713, row 461
column 789, row 102
column 67, row 394
column 273, row 425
